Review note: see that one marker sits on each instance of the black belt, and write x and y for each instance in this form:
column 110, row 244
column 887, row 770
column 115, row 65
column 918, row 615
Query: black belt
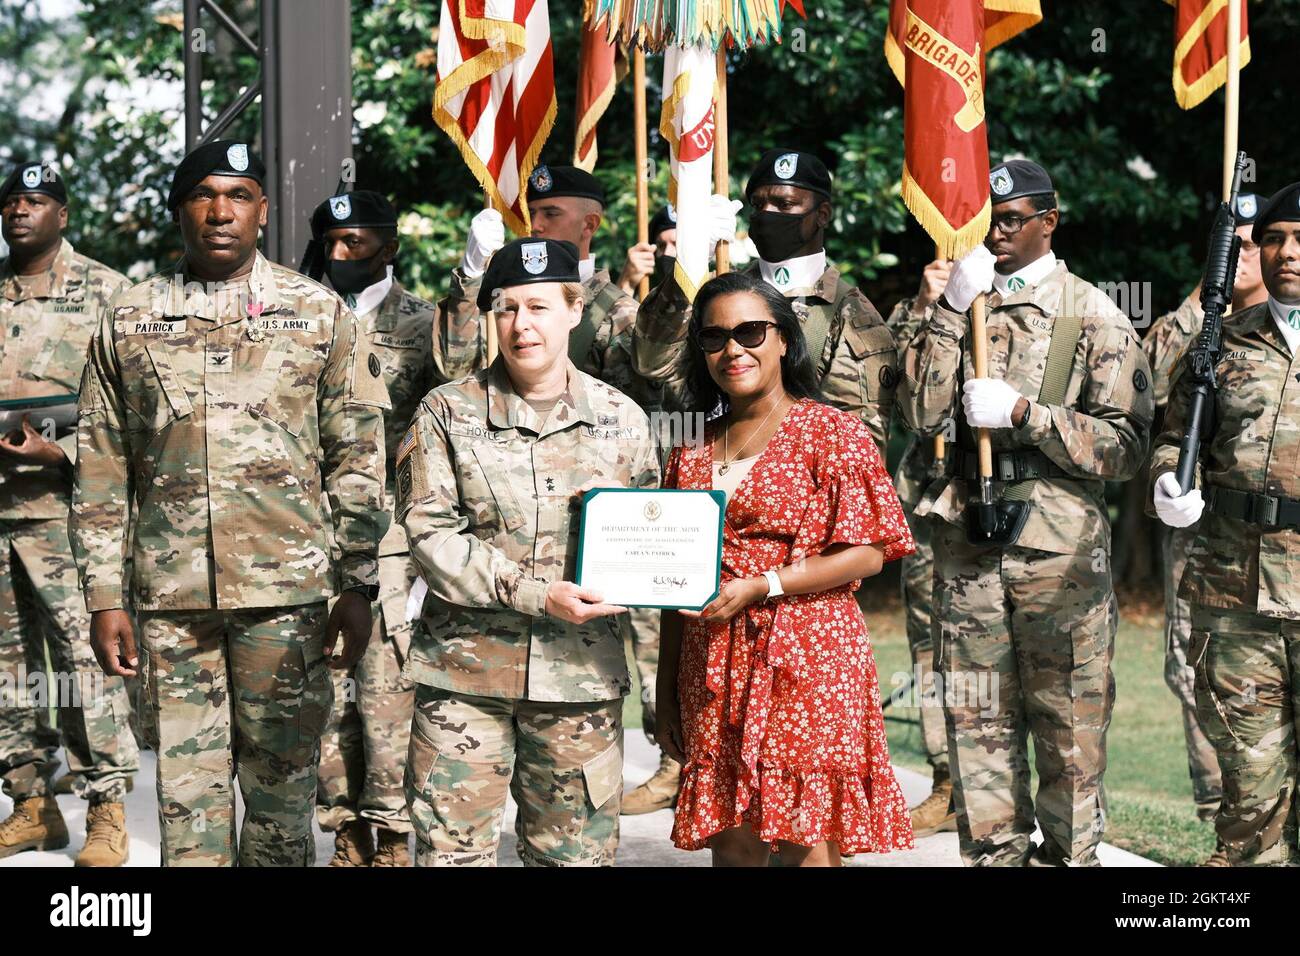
column 1270, row 512
column 1024, row 465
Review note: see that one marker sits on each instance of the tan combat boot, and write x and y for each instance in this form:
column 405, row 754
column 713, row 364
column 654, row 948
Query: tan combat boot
column 935, row 814
column 657, row 793
column 106, row 840
column 353, row 845
column 392, row 850
column 35, row 824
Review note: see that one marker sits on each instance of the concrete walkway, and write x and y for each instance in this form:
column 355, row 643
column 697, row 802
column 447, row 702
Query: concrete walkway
column 643, row 841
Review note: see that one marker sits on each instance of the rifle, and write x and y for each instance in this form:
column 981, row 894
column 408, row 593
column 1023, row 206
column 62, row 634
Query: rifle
column 1201, row 359
column 313, row 257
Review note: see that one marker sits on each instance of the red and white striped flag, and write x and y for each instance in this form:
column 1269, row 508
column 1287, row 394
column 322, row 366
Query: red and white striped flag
column 496, row 93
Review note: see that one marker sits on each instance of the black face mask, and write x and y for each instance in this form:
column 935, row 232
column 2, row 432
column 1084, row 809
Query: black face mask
column 777, row 235
column 663, row 268
column 350, row 276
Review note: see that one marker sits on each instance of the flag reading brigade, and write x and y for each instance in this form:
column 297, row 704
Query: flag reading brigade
column 495, row 96
column 936, row 49
column 687, row 124
column 1201, row 48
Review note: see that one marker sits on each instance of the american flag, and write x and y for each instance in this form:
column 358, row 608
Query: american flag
column 496, row 93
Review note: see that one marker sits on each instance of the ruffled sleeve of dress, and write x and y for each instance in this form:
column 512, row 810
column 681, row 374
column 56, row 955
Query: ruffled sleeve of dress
column 855, row 503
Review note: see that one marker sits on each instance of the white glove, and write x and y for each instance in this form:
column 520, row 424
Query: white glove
column 972, row 275
column 415, row 599
column 988, row 402
column 722, row 218
column 487, row 234
column 1174, row 508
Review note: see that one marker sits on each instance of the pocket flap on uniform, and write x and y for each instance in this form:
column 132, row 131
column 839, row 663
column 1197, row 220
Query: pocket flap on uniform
column 603, row 774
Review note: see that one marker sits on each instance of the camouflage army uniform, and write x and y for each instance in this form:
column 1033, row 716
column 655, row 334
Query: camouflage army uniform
column 216, row 420
column 1032, row 625
column 363, row 751
column 46, row 322
column 508, row 696
column 857, row 367
column 1245, row 638
column 460, row 348
column 1165, row 342
column 915, row 472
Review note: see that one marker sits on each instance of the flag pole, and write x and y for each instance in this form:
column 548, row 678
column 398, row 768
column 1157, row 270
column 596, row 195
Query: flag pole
column 1232, row 95
column 642, row 167
column 940, row 446
column 721, row 178
column 490, row 323
column 980, row 356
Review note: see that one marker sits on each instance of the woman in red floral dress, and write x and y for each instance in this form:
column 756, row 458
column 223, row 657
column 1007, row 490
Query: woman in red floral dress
column 778, row 719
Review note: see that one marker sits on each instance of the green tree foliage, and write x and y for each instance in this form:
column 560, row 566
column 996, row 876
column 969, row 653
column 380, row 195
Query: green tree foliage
column 1087, row 93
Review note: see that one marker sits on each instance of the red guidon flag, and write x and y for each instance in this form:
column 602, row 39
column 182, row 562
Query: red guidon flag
column 601, row 65
column 936, row 49
column 496, row 93
column 1201, row 48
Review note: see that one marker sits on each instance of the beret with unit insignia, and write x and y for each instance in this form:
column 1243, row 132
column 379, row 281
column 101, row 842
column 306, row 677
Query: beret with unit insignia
column 527, row 261
column 547, row 182
column 364, row 208
column 1016, row 178
column 1282, row 206
column 222, row 157
column 787, row 167
column 34, row 178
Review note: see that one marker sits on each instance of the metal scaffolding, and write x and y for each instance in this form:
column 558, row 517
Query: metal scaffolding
column 304, row 85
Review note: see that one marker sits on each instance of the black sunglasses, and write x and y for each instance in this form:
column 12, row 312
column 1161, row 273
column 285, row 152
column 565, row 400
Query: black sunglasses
column 748, row 335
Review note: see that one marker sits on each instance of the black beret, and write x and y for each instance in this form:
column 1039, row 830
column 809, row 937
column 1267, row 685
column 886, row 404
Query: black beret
column 1248, row 206
column 547, row 181
column 34, row 178
column 525, row 261
column 1282, row 206
column 363, row 208
column 665, row 218
column 1016, row 178
column 785, row 167
column 223, row 157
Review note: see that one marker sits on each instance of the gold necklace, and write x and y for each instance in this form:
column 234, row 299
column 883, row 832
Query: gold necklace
column 726, row 439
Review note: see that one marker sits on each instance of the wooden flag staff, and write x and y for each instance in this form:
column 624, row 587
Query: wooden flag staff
column 721, row 178
column 642, row 154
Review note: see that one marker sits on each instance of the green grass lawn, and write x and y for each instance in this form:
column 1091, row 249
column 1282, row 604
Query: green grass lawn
column 1150, row 794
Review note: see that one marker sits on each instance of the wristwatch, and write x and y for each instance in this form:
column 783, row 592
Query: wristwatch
column 369, row 591
column 774, row 588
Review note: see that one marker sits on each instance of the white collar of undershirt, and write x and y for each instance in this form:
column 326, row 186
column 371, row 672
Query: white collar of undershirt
column 801, row 272
column 369, row 298
column 1032, row 274
column 586, row 268
column 1285, row 315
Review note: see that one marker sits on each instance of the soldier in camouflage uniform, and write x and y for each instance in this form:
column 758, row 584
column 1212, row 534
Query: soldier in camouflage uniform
column 916, row 470
column 363, row 752
column 1245, row 608
column 521, row 672
column 51, row 300
column 1165, row 342
column 791, row 197
column 216, row 406
column 566, row 204
column 1026, row 630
